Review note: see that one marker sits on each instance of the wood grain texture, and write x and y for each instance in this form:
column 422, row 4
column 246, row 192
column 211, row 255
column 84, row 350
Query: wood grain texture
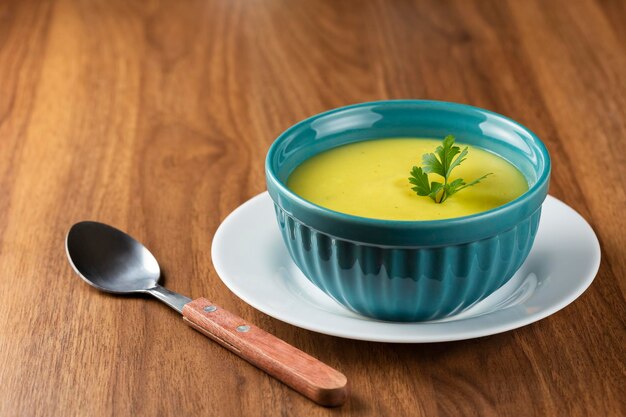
column 155, row 117
column 305, row 374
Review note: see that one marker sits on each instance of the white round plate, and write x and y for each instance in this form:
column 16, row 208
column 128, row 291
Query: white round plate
column 251, row 259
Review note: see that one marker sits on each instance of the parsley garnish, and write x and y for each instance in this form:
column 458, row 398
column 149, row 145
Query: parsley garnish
column 442, row 162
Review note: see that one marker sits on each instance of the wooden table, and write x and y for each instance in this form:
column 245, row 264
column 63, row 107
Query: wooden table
column 156, row 117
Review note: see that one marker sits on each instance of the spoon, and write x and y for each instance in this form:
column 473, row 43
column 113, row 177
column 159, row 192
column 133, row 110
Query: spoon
column 112, row 261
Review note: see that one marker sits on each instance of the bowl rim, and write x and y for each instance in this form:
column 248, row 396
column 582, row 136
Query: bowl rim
column 533, row 190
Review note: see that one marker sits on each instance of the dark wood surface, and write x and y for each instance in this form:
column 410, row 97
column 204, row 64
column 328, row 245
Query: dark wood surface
column 155, row 117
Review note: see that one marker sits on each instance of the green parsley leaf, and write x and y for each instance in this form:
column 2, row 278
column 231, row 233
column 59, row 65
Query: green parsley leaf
column 441, row 162
column 432, row 165
column 476, row 181
column 446, row 153
column 454, row 186
column 457, row 161
column 420, row 180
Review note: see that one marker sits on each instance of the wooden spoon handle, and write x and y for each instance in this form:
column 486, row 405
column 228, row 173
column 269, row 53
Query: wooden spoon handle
column 303, row 373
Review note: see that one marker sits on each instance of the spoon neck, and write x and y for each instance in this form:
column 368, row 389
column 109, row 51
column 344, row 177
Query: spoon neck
column 171, row 298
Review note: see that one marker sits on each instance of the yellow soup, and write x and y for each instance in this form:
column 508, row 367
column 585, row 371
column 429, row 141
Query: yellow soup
column 370, row 179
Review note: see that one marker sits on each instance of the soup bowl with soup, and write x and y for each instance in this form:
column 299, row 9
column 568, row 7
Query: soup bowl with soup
column 355, row 228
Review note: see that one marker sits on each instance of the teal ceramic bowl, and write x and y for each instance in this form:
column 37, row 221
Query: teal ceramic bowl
column 408, row 270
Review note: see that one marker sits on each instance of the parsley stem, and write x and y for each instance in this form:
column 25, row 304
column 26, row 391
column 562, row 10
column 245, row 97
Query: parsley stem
column 443, row 192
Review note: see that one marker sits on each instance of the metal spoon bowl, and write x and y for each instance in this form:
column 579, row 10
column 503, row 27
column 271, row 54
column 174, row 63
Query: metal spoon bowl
column 112, row 261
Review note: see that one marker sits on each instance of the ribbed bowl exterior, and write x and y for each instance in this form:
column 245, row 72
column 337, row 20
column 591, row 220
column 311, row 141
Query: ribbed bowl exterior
column 407, row 283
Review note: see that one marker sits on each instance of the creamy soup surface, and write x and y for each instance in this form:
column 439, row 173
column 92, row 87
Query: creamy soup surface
column 370, row 179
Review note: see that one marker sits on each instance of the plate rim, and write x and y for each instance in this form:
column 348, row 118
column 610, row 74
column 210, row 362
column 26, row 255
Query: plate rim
column 576, row 292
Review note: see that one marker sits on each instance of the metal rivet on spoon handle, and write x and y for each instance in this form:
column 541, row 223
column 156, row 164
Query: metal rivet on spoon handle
column 112, row 261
